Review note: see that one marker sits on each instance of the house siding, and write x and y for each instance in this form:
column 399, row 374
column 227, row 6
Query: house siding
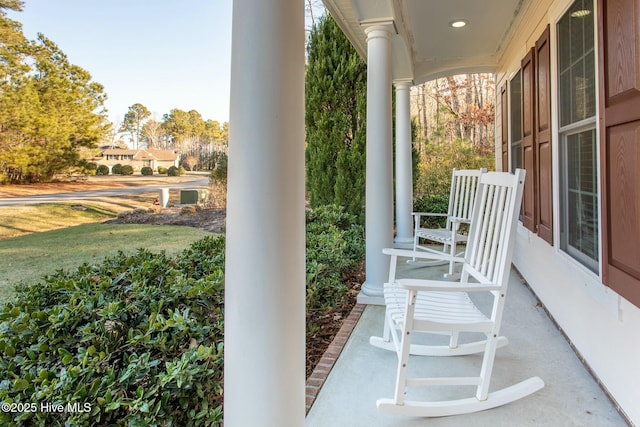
column 602, row 325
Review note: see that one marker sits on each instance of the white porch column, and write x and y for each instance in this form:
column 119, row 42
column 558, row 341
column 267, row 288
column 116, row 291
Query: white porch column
column 379, row 194
column 404, row 172
column 264, row 353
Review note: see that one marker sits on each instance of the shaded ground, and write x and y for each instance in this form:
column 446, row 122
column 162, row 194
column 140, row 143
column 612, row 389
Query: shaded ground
column 213, row 220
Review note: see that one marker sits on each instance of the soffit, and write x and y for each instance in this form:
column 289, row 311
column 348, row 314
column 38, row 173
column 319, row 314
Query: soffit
column 426, row 46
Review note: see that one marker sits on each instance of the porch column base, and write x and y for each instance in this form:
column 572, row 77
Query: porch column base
column 371, row 294
column 403, row 242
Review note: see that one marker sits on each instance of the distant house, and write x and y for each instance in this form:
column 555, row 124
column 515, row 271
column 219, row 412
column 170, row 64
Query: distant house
column 137, row 159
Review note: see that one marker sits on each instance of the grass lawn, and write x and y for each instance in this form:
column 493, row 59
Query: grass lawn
column 27, row 258
column 21, row 220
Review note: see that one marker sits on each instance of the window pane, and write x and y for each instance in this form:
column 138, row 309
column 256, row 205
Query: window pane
column 576, row 63
column 581, row 197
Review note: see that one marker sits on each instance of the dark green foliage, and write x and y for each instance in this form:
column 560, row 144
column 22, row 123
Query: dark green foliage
column 219, row 171
column 138, row 338
column 90, row 168
column 146, row 170
column 173, row 171
column 335, row 119
column 433, row 203
column 49, row 108
column 126, row 170
column 335, row 248
column 102, row 170
column 116, row 169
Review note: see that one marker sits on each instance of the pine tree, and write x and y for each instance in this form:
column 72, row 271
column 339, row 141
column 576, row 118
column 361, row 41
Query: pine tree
column 335, row 119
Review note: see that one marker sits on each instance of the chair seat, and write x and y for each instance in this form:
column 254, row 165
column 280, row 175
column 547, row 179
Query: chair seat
column 445, row 309
column 440, row 235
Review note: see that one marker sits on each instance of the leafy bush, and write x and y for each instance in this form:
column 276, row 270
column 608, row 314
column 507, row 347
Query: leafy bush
column 102, row 170
column 439, row 159
column 126, row 170
column 139, row 339
column 173, row 171
column 434, row 203
column 90, row 168
column 116, row 169
column 181, row 171
column 162, row 170
column 335, row 248
column 146, row 170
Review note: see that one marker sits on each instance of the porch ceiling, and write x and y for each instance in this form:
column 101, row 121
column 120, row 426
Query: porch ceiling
column 426, row 46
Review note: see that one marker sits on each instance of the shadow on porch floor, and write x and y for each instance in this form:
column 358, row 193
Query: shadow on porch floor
column 571, row 397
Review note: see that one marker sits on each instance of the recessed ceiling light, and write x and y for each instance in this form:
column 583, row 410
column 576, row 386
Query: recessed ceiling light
column 458, row 23
column 580, row 13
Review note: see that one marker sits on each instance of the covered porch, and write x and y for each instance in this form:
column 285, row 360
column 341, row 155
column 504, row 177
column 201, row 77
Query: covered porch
column 404, row 42
column 362, row 374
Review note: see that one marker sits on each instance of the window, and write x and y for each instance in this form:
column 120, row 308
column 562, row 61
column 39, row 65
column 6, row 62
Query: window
column 579, row 234
column 515, row 93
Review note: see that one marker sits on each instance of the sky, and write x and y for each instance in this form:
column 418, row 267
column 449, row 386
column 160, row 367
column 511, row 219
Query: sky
column 164, row 54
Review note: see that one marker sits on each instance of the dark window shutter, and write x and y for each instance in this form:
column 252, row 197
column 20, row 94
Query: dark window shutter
column 619, row 44
column 544, row 193
column 504, row 119
column 528, row 143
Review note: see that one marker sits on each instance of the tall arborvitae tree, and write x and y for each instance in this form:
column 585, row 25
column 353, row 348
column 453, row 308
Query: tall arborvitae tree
column 335, row 119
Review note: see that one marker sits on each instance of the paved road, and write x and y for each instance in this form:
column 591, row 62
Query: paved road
column 83, row 195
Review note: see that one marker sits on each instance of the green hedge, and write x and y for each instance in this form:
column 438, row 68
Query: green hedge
column 102, row 170
column 139, row 338
column 433, row 203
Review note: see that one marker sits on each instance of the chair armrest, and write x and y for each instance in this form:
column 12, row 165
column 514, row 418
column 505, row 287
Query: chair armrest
column 428, row 214
column 441, row 286
column 457, row 220
column 420, row 254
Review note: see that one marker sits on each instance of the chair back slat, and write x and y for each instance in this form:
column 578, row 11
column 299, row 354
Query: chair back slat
column 489, row 247
column 463, row 192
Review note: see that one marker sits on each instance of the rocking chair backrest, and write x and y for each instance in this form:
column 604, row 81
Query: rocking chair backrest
column 490, row 244
column 464, row 187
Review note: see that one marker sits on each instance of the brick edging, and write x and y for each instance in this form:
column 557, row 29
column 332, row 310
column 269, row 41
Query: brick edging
column 330, row 356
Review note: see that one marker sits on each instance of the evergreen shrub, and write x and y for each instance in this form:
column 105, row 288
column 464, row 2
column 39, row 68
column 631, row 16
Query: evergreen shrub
column 116, row 169
column 138, row 339
column 173, row 171
column 335, row 248
column 146, row 170
column 102, row 170
column 126, row 170
column 432, row 203
column 162, row 170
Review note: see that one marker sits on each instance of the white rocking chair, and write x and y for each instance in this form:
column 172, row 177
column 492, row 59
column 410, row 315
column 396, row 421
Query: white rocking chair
column 442, row 307
column 464, row 189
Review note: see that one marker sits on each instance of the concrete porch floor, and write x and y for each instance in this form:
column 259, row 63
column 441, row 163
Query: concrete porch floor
column 571, row 397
